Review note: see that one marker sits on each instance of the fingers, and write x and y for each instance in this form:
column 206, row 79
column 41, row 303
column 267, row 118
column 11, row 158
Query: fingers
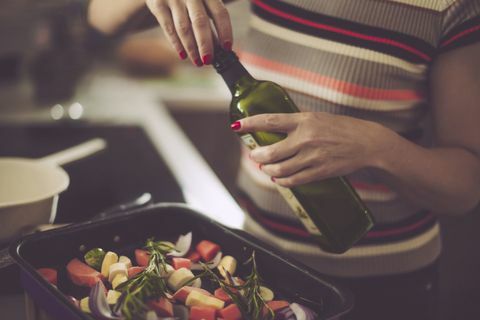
column 163, row 15
column 201, row 30
column 304, row 176
column 222, row 22
column 275, row 152
column 186, row 24
column 278, row 122
column 184, row 31
column 284, row 168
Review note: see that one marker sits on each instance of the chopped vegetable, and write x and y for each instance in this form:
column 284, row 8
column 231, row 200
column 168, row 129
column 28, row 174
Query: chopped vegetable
column 202, row 313
column 84, row 305
column 181, row 263
column 194, row 256
column 109, row 259
column 98, row 303
column 181, row 294
column 210, row 264
column 125, row 260
column 230, row 312
column 182, row 246
column 222, row 295
column 49, row 274
column 179, row 278
column 207, row 249
column 162, row 307
column 266, row 294
column 142, row 257
column 115, row 269
column 94, row 258
column 302, row 313
column 118, row 280
column 196, row 298
column 228, row 263
column 133, row 271
column 112, row 296
column 82, row 274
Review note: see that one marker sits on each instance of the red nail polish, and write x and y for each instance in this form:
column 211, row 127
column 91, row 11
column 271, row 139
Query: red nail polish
column 182, row 55
column 236, row 125
column 207, row 59
column 273, row 179
column 198, row 62
column 227, row 45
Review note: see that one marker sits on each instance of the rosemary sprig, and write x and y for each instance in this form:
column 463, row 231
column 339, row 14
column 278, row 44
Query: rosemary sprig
column 148, row 284
column 247, row 296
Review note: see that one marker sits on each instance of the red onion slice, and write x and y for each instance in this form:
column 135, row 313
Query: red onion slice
column 285, row 314
column 303, row 313
column 182, row 246
column 212, row 264
column 98, row 303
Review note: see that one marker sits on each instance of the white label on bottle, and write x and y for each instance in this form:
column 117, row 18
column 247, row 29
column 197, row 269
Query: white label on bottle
column 288, row 195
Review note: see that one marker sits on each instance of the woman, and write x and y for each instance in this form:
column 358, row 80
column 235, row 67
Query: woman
column 390, row 96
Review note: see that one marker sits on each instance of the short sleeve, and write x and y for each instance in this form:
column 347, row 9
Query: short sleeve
column 460, row 24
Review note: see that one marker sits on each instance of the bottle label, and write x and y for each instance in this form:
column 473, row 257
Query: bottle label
column 288, row 195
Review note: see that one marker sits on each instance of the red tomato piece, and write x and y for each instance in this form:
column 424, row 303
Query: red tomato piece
column 49, row 274
column 202, row 313
column 133, row 271
column 142, row 257
column 222, row 295
column 230, row 312
column 276, row 305
column 162, row 307
column 178, row 263
column 207, row 250
column 194, row 256
column 182, row 293
column 83, row 275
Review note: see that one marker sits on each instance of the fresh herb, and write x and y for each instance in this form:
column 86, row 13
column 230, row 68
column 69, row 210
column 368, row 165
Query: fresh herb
column 246, row 296
column 148, row 284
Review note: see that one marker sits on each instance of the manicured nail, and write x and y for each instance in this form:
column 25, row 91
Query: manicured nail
column 236, row 125
column 227, row 45
column 182, row 55
column 198, row 62
column 272, row 178
column 207, row 59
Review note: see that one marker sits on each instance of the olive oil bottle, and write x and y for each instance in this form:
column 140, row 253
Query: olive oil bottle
column 329, row 209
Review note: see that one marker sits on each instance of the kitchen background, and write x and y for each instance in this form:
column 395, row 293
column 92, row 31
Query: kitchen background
column 51, row 62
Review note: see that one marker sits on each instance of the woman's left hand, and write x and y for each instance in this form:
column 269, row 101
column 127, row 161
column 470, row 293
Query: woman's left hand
column 318, row 145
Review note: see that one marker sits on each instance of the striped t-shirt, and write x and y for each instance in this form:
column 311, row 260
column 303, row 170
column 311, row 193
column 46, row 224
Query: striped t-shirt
column 363, row 58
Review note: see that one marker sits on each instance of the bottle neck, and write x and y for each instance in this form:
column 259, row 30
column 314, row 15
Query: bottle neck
column 236, row 76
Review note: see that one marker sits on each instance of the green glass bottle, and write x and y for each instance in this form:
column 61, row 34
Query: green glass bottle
column 330, row 209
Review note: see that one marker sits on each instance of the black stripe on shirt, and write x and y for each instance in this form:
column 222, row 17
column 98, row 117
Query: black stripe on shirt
column 415, row 43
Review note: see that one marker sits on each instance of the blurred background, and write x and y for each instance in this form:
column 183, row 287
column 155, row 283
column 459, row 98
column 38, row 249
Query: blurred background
column 55, row 68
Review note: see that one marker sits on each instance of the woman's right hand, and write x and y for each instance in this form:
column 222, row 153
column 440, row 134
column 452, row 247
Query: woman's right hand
column 186, row 24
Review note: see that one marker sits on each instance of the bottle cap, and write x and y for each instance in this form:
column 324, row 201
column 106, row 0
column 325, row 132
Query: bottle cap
column 223, row 59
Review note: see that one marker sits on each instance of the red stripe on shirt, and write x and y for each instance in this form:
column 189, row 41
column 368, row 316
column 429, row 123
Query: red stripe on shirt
column 338, row 85
column 397, row 231
column 460, row 35
column 342, row 31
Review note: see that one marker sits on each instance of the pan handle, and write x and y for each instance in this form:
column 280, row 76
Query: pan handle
column 75, row 153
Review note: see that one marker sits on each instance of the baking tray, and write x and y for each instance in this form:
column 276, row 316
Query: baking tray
column 129, row 230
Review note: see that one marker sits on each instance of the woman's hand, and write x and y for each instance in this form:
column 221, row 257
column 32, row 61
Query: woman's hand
column 186, row 24
column 318, row 146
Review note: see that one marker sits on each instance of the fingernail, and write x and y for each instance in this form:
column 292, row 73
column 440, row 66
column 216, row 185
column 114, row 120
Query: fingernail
column 260, row 165
column 207, row 59
column 236, row 125
column 227, row 45
column 198, row 62
column 182, row 55
column 272, row 178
